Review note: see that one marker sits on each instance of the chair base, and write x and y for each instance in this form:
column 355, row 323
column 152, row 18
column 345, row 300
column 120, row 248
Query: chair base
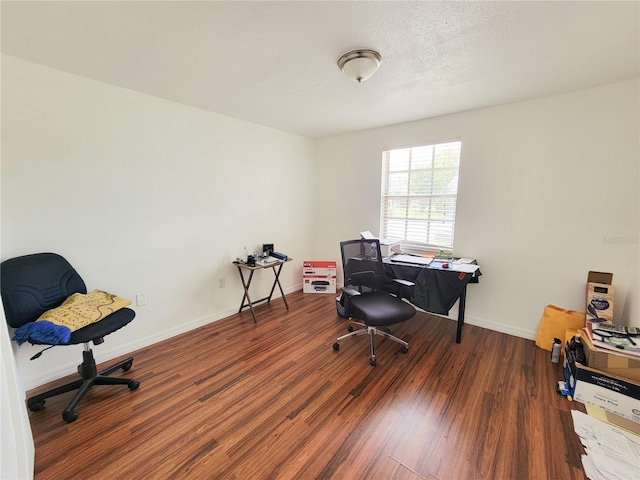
column 372, row 332
column 90, row 377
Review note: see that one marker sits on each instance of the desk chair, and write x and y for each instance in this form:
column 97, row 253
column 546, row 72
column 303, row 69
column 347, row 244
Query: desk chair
column 364, row 297
column 33, row 284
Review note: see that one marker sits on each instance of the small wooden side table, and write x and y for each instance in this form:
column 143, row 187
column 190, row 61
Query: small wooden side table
column 246, row 283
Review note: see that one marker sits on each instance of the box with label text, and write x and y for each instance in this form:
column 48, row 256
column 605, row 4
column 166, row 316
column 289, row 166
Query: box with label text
column 600, row 297
column 615, row 394
column 319, row 276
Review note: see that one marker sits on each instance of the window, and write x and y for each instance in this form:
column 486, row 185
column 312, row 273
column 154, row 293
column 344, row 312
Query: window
column 419, row 190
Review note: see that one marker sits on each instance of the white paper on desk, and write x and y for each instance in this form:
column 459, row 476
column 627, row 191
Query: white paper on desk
column 463, row 267
column 464, row 261
column 267, row 261
column 414, row 259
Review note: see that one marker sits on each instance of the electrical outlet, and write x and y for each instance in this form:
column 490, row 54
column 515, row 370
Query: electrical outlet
column 221, row 282
column 141, row 299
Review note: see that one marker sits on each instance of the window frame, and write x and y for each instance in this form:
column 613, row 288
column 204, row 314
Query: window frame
column 427, row 197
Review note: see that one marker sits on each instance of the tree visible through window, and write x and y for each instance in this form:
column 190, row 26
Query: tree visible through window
column 419, row 190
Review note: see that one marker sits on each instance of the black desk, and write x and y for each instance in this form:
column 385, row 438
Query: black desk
column 436, row 289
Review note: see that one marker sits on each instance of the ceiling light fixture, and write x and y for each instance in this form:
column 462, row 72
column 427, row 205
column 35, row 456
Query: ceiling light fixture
column 360, row 65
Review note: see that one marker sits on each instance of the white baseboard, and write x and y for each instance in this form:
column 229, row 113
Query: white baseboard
column 499, row 327
column 495, row 326
column 115, row 351
column 489, row 325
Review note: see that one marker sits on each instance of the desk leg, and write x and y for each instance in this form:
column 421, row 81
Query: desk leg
column 277, row 281
column 462, row 301
column 246, row 296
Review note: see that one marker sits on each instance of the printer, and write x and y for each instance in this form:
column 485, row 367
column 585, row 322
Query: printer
column 388, row 246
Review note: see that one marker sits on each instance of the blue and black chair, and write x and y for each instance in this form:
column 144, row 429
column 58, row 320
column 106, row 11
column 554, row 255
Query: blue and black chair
column 34, row 284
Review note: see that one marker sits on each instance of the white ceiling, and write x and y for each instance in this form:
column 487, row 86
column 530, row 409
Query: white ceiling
column 274, row 63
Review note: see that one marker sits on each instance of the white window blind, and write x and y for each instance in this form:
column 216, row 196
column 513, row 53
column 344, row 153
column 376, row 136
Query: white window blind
column 419, row 190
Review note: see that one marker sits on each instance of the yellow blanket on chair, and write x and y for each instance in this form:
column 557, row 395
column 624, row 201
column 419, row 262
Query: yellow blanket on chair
column 77, row 311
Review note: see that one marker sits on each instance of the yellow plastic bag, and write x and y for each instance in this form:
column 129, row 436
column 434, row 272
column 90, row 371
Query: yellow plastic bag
column 554, row 324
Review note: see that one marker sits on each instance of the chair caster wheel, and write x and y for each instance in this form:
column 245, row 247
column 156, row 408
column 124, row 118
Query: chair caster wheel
column 134, row 384
column 36, row 406
column 336, row 346
column 373, row 362
column 127, row 366
column 404, row 349
column 350, row 328
column 70, row 416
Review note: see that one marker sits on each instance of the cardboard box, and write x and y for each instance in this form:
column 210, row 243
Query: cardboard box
column 614, row 394
column 618, row 364
column 311, row 285
column 319, row 276
column 600, row 297
column 611, row 418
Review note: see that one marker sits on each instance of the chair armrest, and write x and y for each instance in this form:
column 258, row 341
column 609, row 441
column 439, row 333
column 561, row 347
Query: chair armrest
column 404, row 283
column 400, row 288
column 352, row 292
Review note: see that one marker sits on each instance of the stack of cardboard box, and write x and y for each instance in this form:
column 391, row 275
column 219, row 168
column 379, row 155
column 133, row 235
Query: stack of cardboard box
column 608, row 378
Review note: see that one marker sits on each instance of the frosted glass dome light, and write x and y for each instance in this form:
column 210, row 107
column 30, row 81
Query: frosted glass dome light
column 360, row 65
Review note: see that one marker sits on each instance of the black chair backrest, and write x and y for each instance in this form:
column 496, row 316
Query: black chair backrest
column 33, row 284
column 362, row 263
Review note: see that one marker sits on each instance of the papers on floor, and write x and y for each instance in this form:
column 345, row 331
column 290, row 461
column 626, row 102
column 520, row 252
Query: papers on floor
column 612, row 453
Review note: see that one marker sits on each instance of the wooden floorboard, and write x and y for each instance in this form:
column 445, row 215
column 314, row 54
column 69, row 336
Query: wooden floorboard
column 273, row 400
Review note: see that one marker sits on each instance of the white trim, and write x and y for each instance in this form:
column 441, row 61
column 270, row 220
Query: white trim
column 420, row 144
column 496, row 327
column 18, row 448
column 123, row 349
column 409, row 167
column 489, row 325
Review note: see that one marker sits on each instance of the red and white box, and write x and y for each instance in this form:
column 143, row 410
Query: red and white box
column 318, row 276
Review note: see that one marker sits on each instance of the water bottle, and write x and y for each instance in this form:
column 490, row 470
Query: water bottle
column 555, row 350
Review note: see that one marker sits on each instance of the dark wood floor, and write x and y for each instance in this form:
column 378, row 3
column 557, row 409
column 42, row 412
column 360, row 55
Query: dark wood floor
column 273, row 400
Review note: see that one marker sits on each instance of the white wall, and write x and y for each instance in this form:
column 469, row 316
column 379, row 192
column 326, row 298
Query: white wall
column 148, row 196
column 18, row 450
column 143, row 195
column 548, row 190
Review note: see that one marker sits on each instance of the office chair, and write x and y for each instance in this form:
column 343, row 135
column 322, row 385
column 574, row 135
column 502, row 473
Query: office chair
column 34, row 284
column 365, row 298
